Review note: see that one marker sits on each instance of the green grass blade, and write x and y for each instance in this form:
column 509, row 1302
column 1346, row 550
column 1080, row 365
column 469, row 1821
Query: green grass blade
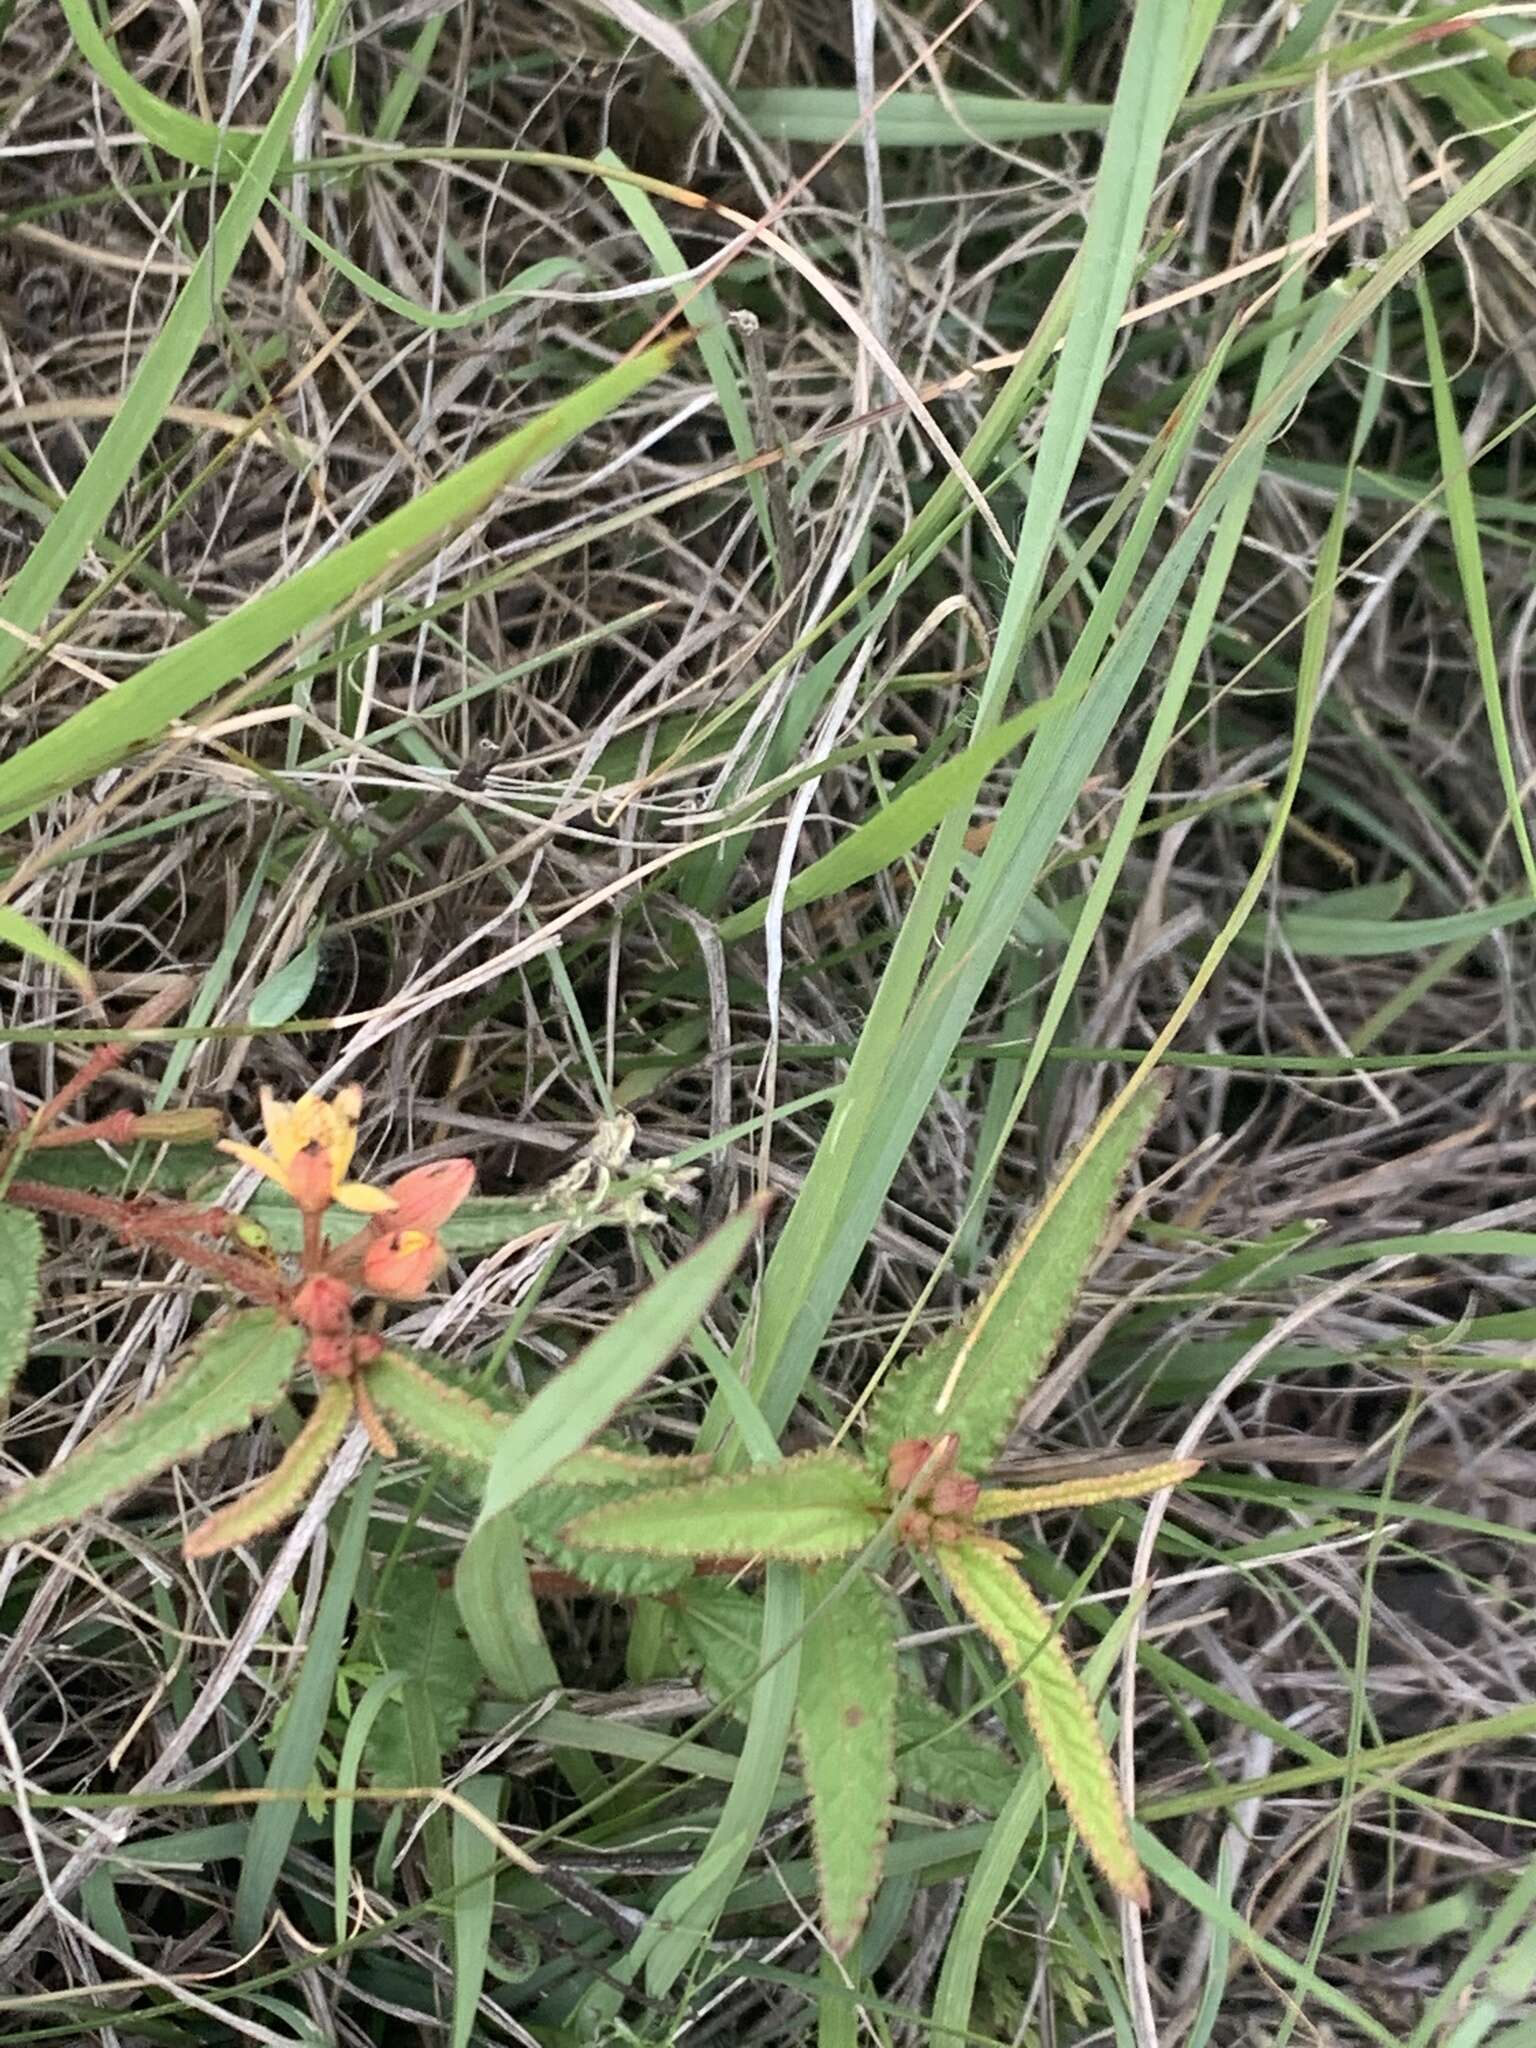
column 23, row 936
column 905, row 1047
column 1467, row 541
column 973, row 1379
column 240, row 1371
column 1219, row 1912
column 685, row 1915
column 292, row 1768
column 845, row 1717
column 917, row 808
column 359, row 1728
column 186, row 675
column 167, row 127
column 474, row 1902
column 280, row 1495
column 705, row 315
column 494, row 1592
column 21, row 1256
column 85, row 511
column 1060, row 1712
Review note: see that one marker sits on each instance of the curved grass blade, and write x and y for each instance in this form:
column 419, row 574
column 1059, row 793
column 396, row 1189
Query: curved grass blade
column 1060, row 1712
column 845, row 1717
column 21, row 1255
column 180, row 135
column 280, row 1495
column 999, row 1503
column 238, row 1372
column 973, row 1379
column 807, row 1510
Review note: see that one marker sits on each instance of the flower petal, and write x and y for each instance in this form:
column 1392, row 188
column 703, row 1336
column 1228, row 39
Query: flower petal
column 428, row 1195
column 248, row 1155
column 353, row 1194
column 277, row 1120
column 341, row 1138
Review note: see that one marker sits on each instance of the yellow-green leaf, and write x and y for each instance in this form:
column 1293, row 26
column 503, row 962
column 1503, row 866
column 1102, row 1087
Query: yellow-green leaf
column 973, row 1378
column 1060, row 1712
column 432, row 1414
column 845, row 1718
column 279, row 1495
column 237, row 1372
column 806, row 1510
column 999, row 1503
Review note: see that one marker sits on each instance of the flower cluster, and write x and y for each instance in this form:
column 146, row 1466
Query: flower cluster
column 396, row 1256
column 938, row 1500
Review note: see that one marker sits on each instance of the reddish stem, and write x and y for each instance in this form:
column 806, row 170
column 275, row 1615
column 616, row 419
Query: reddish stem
column 168, row 1227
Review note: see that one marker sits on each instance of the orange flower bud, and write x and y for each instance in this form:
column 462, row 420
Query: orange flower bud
column 331, row 1357
column 915, row 1454
column 956, row 1494
column 323, row 1306
column 427, row 1196
column 908, row 1459
column 403, row 1265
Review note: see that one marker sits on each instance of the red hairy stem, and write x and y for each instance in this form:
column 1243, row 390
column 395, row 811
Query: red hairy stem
column 170, row 1228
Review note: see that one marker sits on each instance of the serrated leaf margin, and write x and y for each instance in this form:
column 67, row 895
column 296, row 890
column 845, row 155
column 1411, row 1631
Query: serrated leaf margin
column 1061, row 1715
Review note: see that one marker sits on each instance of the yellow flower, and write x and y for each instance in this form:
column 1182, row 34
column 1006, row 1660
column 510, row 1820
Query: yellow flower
column 310, row 1146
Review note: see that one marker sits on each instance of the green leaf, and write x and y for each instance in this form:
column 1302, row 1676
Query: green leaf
column 944, row 1759
column 432, row 1413
column 21, row 1254
column 806, row 1510
column 239, row 1371
column 987, row 1364
column 23, row 936
column 722, row 1632
column 1060, row 1712
column 845, row 1717
column 418, row 1633
column 292, row 1768
column 283, row 994
column 278, row 1497
column 145, row 704
column 547, row 1511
